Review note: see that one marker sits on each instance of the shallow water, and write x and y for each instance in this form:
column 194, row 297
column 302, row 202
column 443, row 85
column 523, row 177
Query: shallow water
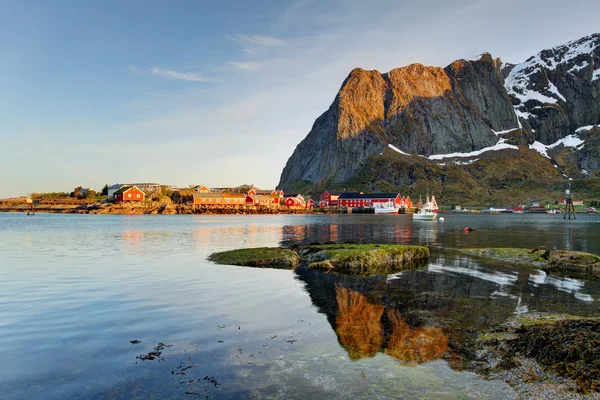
column 76, row 289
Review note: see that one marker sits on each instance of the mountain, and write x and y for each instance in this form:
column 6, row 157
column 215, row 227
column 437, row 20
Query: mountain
column 465, row 124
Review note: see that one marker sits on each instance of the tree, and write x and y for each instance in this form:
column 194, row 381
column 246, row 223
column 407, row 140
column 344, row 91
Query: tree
column 105, row 190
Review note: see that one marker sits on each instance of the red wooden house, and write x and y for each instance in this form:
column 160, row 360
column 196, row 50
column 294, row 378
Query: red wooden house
column 129, row 193
column 295, row 200
column 329, row 198
column 362, row 200
column 310, row 203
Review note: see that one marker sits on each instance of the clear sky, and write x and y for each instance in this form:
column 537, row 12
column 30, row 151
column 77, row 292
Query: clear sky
column 219, row 92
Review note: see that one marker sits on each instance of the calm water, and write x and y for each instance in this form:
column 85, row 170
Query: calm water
column 76, row 289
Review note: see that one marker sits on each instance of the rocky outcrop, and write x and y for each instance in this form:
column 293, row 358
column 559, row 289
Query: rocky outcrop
column 478, row 105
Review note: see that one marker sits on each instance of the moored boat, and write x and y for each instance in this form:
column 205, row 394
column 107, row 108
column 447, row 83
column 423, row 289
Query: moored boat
column 428, row 211
column 386, row 208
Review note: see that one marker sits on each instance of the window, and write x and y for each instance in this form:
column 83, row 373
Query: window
column 138, row 195
column 229, row 200
column 218, row 200
column 203, row 200
column 129, row 195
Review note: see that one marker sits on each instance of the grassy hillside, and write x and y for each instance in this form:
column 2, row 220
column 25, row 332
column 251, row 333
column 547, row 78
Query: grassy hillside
column 506, row 177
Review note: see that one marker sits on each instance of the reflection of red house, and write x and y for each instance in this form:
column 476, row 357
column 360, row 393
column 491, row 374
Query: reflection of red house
column 129, row 193
column 330, row 198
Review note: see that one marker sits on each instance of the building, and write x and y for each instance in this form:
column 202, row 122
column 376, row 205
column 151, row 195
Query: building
column 310, row 203
column 146, row 187
column 564, row 201
column 295, row 200
column 218, row 199
column 260, row 200
column 129, row 193
column 329, row 198
column 362, row 200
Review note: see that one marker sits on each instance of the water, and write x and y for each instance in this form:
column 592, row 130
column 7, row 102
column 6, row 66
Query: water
column 76, row 289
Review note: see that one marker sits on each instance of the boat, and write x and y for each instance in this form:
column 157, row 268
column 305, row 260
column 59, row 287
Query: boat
column 554, row 211
column 591, row 210
column 428, row 211
column 386, row 208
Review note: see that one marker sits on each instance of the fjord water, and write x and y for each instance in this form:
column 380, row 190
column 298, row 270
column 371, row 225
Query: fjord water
column 76, row 289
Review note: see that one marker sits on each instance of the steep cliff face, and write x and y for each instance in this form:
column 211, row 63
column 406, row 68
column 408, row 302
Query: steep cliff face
column 422, row 110
column 466, row 109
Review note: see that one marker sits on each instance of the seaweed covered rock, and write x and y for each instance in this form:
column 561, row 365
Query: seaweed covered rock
column 564, row 345
column 262, row 257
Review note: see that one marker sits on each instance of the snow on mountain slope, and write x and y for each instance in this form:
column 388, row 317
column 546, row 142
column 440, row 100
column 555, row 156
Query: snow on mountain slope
column 533, row 79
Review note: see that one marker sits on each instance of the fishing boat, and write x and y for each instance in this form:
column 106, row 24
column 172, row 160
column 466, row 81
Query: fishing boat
column 386, row 208
column 554, row 211
column 591, row 210
column 428, row 211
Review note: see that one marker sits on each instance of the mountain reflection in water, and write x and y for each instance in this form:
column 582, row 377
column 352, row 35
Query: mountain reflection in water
column 437, row 312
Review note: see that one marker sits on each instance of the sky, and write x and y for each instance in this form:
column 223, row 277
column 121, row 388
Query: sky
column 194, row 92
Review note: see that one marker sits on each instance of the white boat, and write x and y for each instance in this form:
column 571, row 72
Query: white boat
column 428, row 211
column 554, row 211
column 386, row 208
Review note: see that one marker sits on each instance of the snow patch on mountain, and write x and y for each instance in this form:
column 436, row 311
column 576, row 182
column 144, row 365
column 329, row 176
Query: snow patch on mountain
column 397, row 149
column 596, row 75
column 567, row 141
column 586, row 128
column 501, row 145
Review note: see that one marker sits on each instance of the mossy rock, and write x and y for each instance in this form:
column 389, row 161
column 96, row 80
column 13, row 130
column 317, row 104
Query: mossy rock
column 570, row 264
column 573, row 264
column 262, row 257
column 369, row 259
column 346, row 259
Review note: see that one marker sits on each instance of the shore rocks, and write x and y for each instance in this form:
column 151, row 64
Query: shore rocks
column 563, row 345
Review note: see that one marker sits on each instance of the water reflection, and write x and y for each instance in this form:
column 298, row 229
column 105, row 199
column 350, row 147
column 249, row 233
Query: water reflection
column 383, row 230
column 364, row 329
column 437, row 312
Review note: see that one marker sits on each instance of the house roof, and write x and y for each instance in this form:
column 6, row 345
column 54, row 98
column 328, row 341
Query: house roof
column 356, row 195
column 123, row 189
column 218, row 195
column 334, row 192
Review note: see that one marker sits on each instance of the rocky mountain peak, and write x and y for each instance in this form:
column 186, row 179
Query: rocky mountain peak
column 468, row 108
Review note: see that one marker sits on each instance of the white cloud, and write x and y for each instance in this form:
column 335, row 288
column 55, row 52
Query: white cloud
column 245, row 65
column 184, row 76
column 258, row 40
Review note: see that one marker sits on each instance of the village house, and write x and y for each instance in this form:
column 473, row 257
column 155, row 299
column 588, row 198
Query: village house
column 310, row 204
column 218, row 199
column 294, row 201
column 362, row 200
column 564, row 201
column 329, row 198
column 128, row 194
column 261, row 200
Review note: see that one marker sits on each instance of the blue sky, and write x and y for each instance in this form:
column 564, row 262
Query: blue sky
column 218, row 93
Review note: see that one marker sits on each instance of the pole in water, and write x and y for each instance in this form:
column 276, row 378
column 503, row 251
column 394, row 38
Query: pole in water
column 569, row 207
